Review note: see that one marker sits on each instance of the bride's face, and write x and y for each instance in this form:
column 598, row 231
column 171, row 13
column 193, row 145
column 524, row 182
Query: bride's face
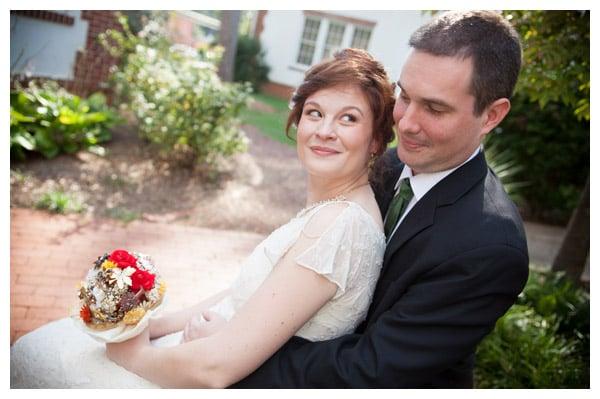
column 335, row 133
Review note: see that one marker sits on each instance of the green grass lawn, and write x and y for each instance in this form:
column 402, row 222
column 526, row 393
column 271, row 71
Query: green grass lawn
column 271, row 124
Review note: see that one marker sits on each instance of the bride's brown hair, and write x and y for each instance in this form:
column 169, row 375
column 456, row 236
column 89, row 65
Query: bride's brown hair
column 351, row 67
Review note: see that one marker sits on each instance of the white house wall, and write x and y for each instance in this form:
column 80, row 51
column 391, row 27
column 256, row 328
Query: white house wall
column 389, row 40
column 51, row 54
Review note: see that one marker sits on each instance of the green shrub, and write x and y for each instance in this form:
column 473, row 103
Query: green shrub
column 507, row 169
column 250, row 65
column 178, row 99
column 554, row 295
column 541, row 342
column 58, row 201
column 123, row 214
column 48, row 119
column 553, row 148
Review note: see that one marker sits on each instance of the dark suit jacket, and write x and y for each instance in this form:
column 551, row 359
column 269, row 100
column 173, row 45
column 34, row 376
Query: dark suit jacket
column 456, row 264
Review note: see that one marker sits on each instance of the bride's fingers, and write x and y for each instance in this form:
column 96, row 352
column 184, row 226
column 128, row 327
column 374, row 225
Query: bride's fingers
column 186, row 332
column 209, row 315
column 190, row 330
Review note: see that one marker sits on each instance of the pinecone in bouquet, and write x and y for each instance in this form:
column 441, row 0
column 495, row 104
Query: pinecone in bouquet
column 119, row 290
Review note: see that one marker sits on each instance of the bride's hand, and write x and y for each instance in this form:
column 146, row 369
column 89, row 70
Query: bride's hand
column 199, row 327
column 124, row 353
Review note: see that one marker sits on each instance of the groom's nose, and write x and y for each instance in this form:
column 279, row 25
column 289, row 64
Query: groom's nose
column 406, row 117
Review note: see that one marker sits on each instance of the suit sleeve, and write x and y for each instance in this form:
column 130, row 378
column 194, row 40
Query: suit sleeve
column 437, row 322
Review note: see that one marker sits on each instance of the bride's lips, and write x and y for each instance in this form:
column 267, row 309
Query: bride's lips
column 323, row 151
column 410, row 144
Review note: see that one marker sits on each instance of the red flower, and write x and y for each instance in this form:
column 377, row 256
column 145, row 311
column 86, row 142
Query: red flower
column 85, row 313
column 143, row 279
column 123, row 258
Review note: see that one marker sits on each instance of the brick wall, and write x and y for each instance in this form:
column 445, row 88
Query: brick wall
column 260, row 23
column 92, row 64
column 278, row 90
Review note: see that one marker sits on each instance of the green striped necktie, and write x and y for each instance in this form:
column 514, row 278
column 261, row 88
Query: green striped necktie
column 398, row 205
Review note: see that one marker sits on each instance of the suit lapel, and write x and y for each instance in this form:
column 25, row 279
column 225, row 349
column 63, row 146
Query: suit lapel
column 418, row 218
column 445, row 192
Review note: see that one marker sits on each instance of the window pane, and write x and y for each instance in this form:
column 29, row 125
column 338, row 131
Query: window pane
column 305, row 55
column 361, row 38
column 308, row 41
column 311, row 29
column 335, row 35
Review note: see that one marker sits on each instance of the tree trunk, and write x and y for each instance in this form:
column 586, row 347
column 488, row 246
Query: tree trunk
column 575, row 247
column 228, row 36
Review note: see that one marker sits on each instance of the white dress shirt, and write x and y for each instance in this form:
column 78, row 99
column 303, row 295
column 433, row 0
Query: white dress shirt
column 421, row 184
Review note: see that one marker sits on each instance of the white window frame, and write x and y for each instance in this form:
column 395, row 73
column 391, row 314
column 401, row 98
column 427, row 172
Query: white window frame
column 304, row 41
column 364, row 29
column 328, row 50
column 320, row 45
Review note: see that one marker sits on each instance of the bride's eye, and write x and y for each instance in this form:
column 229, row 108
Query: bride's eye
column 312, row 112
column 348, row 118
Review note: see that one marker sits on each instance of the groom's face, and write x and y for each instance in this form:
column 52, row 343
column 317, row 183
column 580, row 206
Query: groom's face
column 436, row 126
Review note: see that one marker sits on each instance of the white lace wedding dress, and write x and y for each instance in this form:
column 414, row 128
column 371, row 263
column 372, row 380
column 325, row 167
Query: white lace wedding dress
column 349, row 253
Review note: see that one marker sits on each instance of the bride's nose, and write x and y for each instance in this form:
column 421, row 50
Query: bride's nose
column 326, row 130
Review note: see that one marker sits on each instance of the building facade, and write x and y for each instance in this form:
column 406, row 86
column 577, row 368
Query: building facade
column 61, row 45
column 295, row 40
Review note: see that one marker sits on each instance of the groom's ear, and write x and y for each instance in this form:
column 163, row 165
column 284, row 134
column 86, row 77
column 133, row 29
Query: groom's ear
column 494, row 114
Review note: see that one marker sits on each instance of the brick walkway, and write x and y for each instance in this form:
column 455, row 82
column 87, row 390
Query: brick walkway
column 50, row 254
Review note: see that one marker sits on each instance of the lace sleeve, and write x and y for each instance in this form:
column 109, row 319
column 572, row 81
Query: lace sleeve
column 330, row 230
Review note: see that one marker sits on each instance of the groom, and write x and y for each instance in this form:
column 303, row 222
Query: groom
column 456, row 256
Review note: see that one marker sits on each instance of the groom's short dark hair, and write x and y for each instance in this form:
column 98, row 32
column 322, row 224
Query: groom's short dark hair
column 484, row 36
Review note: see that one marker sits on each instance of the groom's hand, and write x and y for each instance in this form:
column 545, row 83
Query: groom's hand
column 200, row 327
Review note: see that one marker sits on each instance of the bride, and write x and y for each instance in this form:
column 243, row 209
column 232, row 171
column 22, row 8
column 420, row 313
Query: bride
column 313, row 277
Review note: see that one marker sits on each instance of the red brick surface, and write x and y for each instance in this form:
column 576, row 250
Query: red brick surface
column 50, row 254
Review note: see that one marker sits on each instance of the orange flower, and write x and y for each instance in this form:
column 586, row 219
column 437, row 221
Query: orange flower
column 85, row 313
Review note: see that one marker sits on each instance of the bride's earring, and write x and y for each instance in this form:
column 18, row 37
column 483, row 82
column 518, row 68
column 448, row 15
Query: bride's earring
column 371, row 161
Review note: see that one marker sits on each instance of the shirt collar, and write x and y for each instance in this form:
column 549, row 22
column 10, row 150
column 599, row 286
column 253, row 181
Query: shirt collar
column 423, row 182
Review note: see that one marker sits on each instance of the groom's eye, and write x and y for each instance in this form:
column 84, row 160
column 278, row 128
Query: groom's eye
column 434, row 110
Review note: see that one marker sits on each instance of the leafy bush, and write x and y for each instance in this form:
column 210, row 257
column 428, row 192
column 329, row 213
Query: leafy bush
column 123, row 214
column 178, row 99
column 552, row 295
column 553, row 148
column 507, row 169
column 541, row 342
column 50, row 120
column 59, row 202
column 250, row 65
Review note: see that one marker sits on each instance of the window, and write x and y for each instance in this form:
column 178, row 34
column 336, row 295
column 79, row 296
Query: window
column 325, row 33
column 361, row 38
column 335, row 35
column 309, row 41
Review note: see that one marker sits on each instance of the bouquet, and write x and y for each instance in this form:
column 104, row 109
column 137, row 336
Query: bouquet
column 119, row 295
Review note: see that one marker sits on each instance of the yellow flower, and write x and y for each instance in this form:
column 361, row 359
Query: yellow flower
column 162, row 288
column 108, row 264
column 134, row 315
